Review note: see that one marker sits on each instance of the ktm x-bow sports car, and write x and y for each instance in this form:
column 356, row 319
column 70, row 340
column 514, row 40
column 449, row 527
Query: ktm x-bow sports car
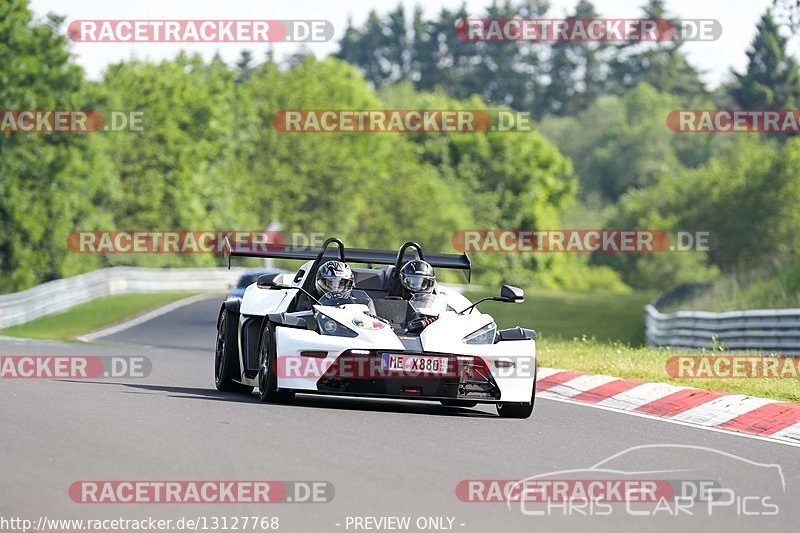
column 283, row 337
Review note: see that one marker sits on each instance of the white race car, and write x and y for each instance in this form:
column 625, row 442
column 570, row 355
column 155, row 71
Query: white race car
column 283, row 339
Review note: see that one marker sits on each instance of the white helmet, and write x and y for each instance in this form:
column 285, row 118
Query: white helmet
column 334, row 276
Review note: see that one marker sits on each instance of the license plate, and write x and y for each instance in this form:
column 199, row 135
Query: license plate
column 414, row 364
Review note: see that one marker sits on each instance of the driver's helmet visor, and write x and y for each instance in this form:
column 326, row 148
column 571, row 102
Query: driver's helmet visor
column 418, row 283
column 337, row 284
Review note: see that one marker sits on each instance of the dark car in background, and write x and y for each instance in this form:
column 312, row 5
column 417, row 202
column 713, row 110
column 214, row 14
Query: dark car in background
column 250, row 277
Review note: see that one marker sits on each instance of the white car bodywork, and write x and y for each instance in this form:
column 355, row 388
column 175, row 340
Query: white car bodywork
column 514, row 375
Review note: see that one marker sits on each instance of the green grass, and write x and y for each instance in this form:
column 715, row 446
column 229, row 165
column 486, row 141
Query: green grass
column 92, row 316
column 646, row 364
column 606, row 316
column 603, row 333
column 769, row 288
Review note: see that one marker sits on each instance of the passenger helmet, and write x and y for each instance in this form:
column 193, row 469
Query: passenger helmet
column 417, row 277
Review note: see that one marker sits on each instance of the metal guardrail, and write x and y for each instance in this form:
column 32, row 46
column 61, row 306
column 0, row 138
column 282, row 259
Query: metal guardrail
column 62, row 294
column 770, row 330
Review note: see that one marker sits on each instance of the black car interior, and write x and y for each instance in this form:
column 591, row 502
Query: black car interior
column 378, row 288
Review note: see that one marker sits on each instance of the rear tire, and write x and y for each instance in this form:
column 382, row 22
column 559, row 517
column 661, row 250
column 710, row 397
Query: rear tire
column 519, row 410
column 458, row 403
column 267, row 372
column 226, row 357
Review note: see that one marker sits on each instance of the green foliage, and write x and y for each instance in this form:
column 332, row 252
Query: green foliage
column 619, row 144
column 770, row 287
column 372, row 190
column 576, row 70
column 48, row 182
column 661, row 65
column 171, row 174
column 772, row 78
column 209, row 157
column 558, row 78
column 508, row 180
column 611, row 103
column 746, row 199
column 430, row 54
column 761, row 188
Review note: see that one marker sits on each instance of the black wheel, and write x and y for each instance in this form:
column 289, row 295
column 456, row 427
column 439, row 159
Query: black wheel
column 519, row 410
column 267, row 372
column 226, row 358
column 458, row 403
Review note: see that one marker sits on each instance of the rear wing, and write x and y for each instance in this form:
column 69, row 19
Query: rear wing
column 350, row 255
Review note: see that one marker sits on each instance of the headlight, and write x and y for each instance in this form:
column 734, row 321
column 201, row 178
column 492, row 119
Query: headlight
column 328, row 326
column 485, row 335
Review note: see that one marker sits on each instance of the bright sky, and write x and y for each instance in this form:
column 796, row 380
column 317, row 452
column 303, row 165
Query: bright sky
column 738, row 19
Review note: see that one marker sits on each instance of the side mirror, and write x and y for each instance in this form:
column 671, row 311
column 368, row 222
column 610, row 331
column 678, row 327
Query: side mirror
column 509, row 293
column 267, row 281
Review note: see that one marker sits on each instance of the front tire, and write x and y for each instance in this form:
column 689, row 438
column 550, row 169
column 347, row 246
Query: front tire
column 226, row 358
column 267, row 372
column 519, row 410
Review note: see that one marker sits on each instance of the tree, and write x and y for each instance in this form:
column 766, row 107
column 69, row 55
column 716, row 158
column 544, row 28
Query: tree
column 619, row 144
column 369, row 189
column 425, row 73
column 380, row 49
column 662, row 64
column 430, row 54
column 507, row 180
column 209, row 157
column 576, row 70
column 244, row 66
column 49, row 183
column 171, row 175
column 772, row 79
column 746, row 199
column 788, row 13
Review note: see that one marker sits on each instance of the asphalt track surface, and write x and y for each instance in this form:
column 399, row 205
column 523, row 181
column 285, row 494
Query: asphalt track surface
column 384, row 458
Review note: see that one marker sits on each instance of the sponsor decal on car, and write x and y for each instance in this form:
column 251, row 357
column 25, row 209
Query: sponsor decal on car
column 368, row 323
